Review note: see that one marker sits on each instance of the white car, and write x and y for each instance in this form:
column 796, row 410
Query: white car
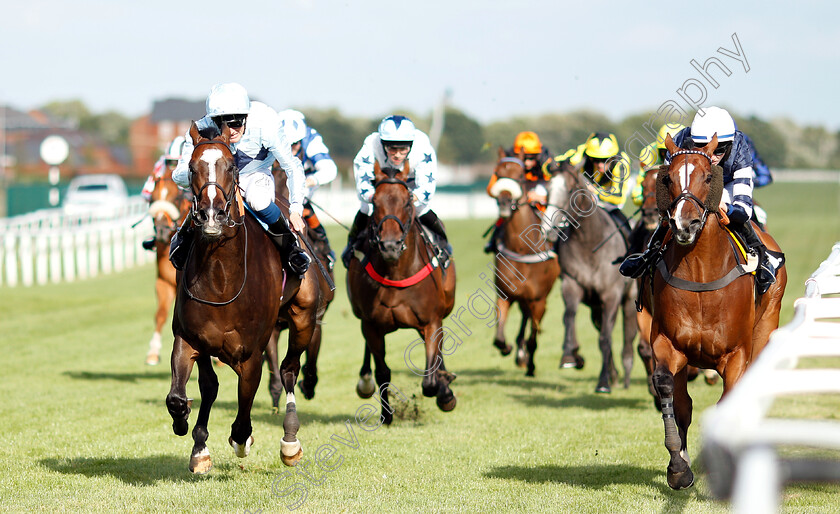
column 101, row 195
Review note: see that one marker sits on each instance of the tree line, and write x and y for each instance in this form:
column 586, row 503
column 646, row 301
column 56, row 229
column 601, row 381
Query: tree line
column 781, row 142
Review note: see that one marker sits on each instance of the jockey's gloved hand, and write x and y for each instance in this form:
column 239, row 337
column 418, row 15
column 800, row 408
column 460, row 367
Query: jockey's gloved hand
column 737, row 214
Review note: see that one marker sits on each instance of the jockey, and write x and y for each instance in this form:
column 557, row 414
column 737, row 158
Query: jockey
column 256, row 140
column 733, row 155
column 396, row 140
column 536, row 161
column 168, row 160
column 318, row 166
column 608, row 170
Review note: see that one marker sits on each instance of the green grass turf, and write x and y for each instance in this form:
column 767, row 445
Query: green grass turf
column 84, row 427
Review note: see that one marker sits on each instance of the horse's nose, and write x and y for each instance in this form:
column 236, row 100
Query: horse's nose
column 695, row 226
column 391, row 250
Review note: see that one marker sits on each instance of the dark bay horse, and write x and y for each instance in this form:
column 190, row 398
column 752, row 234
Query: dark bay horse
column 703, row 314
column 327, row 294
column 525, row 265
column 168, row 205
column 397, row 285
column 231, row 294
column 590, row 243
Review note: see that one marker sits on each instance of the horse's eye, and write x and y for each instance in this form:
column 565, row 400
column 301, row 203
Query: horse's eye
column 708, row 179
column 666, row 180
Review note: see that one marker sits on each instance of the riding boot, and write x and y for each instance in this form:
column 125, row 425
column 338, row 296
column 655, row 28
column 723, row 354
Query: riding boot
column 149, row 244
column 635, row 242
column 492, row 244
column 635, row 265
column 321, row 234
column 298, row 260
column 179, row 247
column 765, row 274
column 359, row 224
column 431, row 220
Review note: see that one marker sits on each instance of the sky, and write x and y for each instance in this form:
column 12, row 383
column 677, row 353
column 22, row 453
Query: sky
column 498, row 59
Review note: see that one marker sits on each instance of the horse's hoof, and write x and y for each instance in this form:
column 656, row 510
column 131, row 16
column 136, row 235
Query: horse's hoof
column 180, row 426
column 366, row 386
column 521, row 358
column 503, row 347
column 290, row 453
column 153, row 359
column 201, row 463
column 711, row 376
column 386, row 417
column 447, row 405
column 682, row 480
column 275, row 410
column 571, row 361
column 306, row 391
column 241, row 450
column 529, row 373
column 603, row 389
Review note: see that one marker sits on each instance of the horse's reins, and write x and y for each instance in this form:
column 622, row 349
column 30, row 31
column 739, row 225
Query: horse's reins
column 230, row 223
column 404, row 227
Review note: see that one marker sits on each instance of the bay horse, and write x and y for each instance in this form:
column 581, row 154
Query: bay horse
column 232, row 293
column 395, row 284
column 590, row 243
column 168, row 205
column 327, row 294
column 705, row 312
column 525, row 268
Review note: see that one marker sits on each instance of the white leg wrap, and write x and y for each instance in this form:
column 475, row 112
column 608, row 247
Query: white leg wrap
column 290, row 449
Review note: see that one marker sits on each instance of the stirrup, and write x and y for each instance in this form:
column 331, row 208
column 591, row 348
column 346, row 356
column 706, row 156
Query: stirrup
column 149, row 244
column 634, row 265
column 298, row 260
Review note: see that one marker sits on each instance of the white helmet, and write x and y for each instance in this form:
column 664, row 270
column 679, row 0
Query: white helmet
column 293, row 125
column 396, row 129
column 715, row 121
column 176, row 148
column 230, row 98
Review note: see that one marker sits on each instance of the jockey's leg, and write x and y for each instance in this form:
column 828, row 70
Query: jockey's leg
column 360, row 222
column 492, row 244
column 634, row 265
column 635, row 242
column 765, row 275
column 179, row 246
column 317, row 229
column 431, row 220
column 298, row 260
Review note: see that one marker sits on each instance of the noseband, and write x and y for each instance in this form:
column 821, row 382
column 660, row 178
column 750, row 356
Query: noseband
column 688, row 195
column 375, row 239
column 227, row 196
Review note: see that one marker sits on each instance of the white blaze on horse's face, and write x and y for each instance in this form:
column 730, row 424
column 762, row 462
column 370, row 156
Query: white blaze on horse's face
column 211, row 157
column 685, row 180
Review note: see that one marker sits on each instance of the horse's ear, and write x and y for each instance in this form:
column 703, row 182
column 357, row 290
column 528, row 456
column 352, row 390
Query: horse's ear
column 709, row 149
column 502, row 153
column 194, row 135
column 670, row 145
column 225, row 133
column 521, row 154
column 377, row 171
column 403, row 174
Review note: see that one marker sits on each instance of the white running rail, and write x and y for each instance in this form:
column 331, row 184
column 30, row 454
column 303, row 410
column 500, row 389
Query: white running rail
column 740, row 443
column 50, row 246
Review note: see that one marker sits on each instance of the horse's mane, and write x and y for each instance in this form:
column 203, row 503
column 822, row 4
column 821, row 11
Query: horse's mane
column 663, row 197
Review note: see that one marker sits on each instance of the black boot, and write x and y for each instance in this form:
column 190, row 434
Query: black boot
column 319, row 235
column 765, row 274
column 179, row 247
column 635, row 242
column 293, row 255
column 635, row 265
column 149, row 244
column 359, row 224
column 491, row 246
column 431, row 220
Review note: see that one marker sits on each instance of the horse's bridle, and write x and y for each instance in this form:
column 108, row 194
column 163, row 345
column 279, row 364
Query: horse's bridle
column 228, row 196
column 404, row 227
column 688, row 195
column 172, row 225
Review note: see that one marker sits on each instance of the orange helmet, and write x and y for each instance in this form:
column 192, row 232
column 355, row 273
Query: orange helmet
column 527, row 142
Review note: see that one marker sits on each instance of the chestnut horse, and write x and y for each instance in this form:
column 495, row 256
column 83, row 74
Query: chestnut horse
column 168, row 204
column 590, row 244
column 705, row 312
column 232, row 293
column 526, row 269
column 395, row 284
column 310, row 369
